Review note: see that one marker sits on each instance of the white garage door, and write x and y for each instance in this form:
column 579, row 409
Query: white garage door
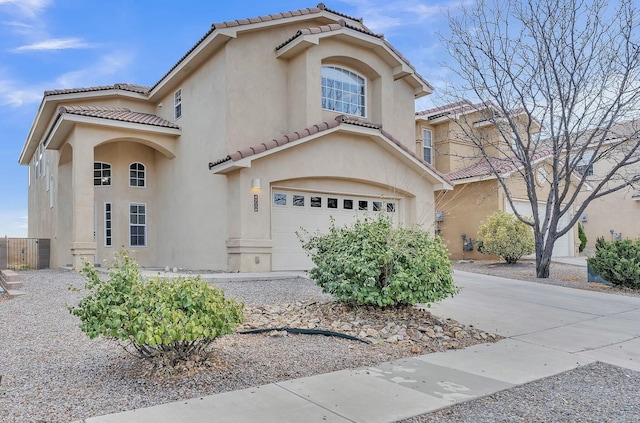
column 564, row 245
column 293, row 210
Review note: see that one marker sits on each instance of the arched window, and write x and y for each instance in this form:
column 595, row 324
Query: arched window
column 137, row 175
column 101, row 174
column 343, row 91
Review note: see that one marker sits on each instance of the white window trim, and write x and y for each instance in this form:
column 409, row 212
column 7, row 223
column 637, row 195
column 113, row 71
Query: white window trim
column 429, row 147
column 146, row 234
column 177, row 104
column 144, row 178
column 365, row 87
column 110, row 219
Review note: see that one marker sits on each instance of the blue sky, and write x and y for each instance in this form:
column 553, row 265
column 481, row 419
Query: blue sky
column 52, row 44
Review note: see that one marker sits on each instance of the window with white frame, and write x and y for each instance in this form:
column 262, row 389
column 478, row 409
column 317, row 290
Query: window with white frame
column 427, row 145
column 343, row 91
column 177, row 104
column 137, row 224
column 583, row 167
column 108, row 239
column 137, row 175
column 101, row 174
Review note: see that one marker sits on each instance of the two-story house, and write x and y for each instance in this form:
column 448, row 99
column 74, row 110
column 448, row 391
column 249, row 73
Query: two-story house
column 265, row 126
column 443, row 139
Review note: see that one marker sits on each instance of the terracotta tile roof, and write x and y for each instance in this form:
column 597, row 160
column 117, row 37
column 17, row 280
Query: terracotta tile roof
column 324, row 126
column 238, row 22
column 450, row 106
column 118, row 113
column 326, row 28
column 503, row 166
column 140, row 89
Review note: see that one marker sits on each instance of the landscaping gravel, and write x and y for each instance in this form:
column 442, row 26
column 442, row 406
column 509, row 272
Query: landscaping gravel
column 51, row 372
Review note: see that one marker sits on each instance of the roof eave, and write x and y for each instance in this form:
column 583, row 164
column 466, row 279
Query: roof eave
column 64, row 122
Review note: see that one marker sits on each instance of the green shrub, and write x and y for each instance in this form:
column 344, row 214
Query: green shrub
column 583, row 238
column 507, row 237
column 618, row 262
column 371, row 262
column 177, row 318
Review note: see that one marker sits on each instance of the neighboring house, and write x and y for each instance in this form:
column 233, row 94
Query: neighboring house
column 441, row 138
column 614, row 216
column 265, row 126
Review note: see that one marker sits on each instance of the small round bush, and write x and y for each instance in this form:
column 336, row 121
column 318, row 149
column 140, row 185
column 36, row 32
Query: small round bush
column 507, row 237
column 371, row 262
column 177, row 318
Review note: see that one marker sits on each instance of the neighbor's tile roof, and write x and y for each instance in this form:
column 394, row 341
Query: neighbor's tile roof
column 503, row 166
column 140, row 89
column 118, row 113
column 450, row 106
column 324, row 126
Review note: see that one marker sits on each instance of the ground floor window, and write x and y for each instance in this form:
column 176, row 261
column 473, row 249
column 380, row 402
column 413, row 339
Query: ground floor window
column 138, row 224
column 107, row 225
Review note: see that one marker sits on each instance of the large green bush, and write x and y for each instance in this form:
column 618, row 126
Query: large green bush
column 618, row 262
column 371, row 262
column 507, row 237
column 177, row 318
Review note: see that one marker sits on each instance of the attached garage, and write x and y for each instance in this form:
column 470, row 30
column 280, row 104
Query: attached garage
column 564, row 245
column 293, row 210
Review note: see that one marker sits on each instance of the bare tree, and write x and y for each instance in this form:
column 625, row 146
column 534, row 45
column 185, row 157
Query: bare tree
column 562, row 80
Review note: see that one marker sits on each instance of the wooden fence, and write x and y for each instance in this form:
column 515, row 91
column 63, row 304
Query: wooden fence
column 24, row 253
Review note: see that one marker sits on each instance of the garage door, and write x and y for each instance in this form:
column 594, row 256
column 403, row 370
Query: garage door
column 293, row 210
column 564, row 245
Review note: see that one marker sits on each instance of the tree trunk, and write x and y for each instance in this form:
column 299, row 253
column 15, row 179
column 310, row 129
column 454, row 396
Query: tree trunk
column 542, row 267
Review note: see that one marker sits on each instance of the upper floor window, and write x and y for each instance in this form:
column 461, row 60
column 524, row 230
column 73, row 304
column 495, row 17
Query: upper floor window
column 177, row 104
column 343, row 91
column 137, row 175
column 427, row 145
column 101, row 174
column 583, row 167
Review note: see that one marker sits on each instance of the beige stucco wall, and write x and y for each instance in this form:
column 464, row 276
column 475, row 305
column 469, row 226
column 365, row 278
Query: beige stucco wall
column 465, row 208
column 618, row 211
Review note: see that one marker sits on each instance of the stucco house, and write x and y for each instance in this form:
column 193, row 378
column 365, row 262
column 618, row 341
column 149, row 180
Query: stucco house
column 264, row 126
column 442, row 135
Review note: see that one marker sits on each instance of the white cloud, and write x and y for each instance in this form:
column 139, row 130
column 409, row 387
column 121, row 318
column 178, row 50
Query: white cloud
column 55, row 44
column 106, row 67
column 383, row 16
column 13, row 94
column 26, row 8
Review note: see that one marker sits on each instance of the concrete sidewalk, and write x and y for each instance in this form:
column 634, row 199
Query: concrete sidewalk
column 550, row 330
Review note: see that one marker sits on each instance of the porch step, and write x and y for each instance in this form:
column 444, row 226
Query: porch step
column 10, row 280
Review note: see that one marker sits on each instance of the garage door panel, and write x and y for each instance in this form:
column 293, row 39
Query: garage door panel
column 288, row 217
column 563, row 245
